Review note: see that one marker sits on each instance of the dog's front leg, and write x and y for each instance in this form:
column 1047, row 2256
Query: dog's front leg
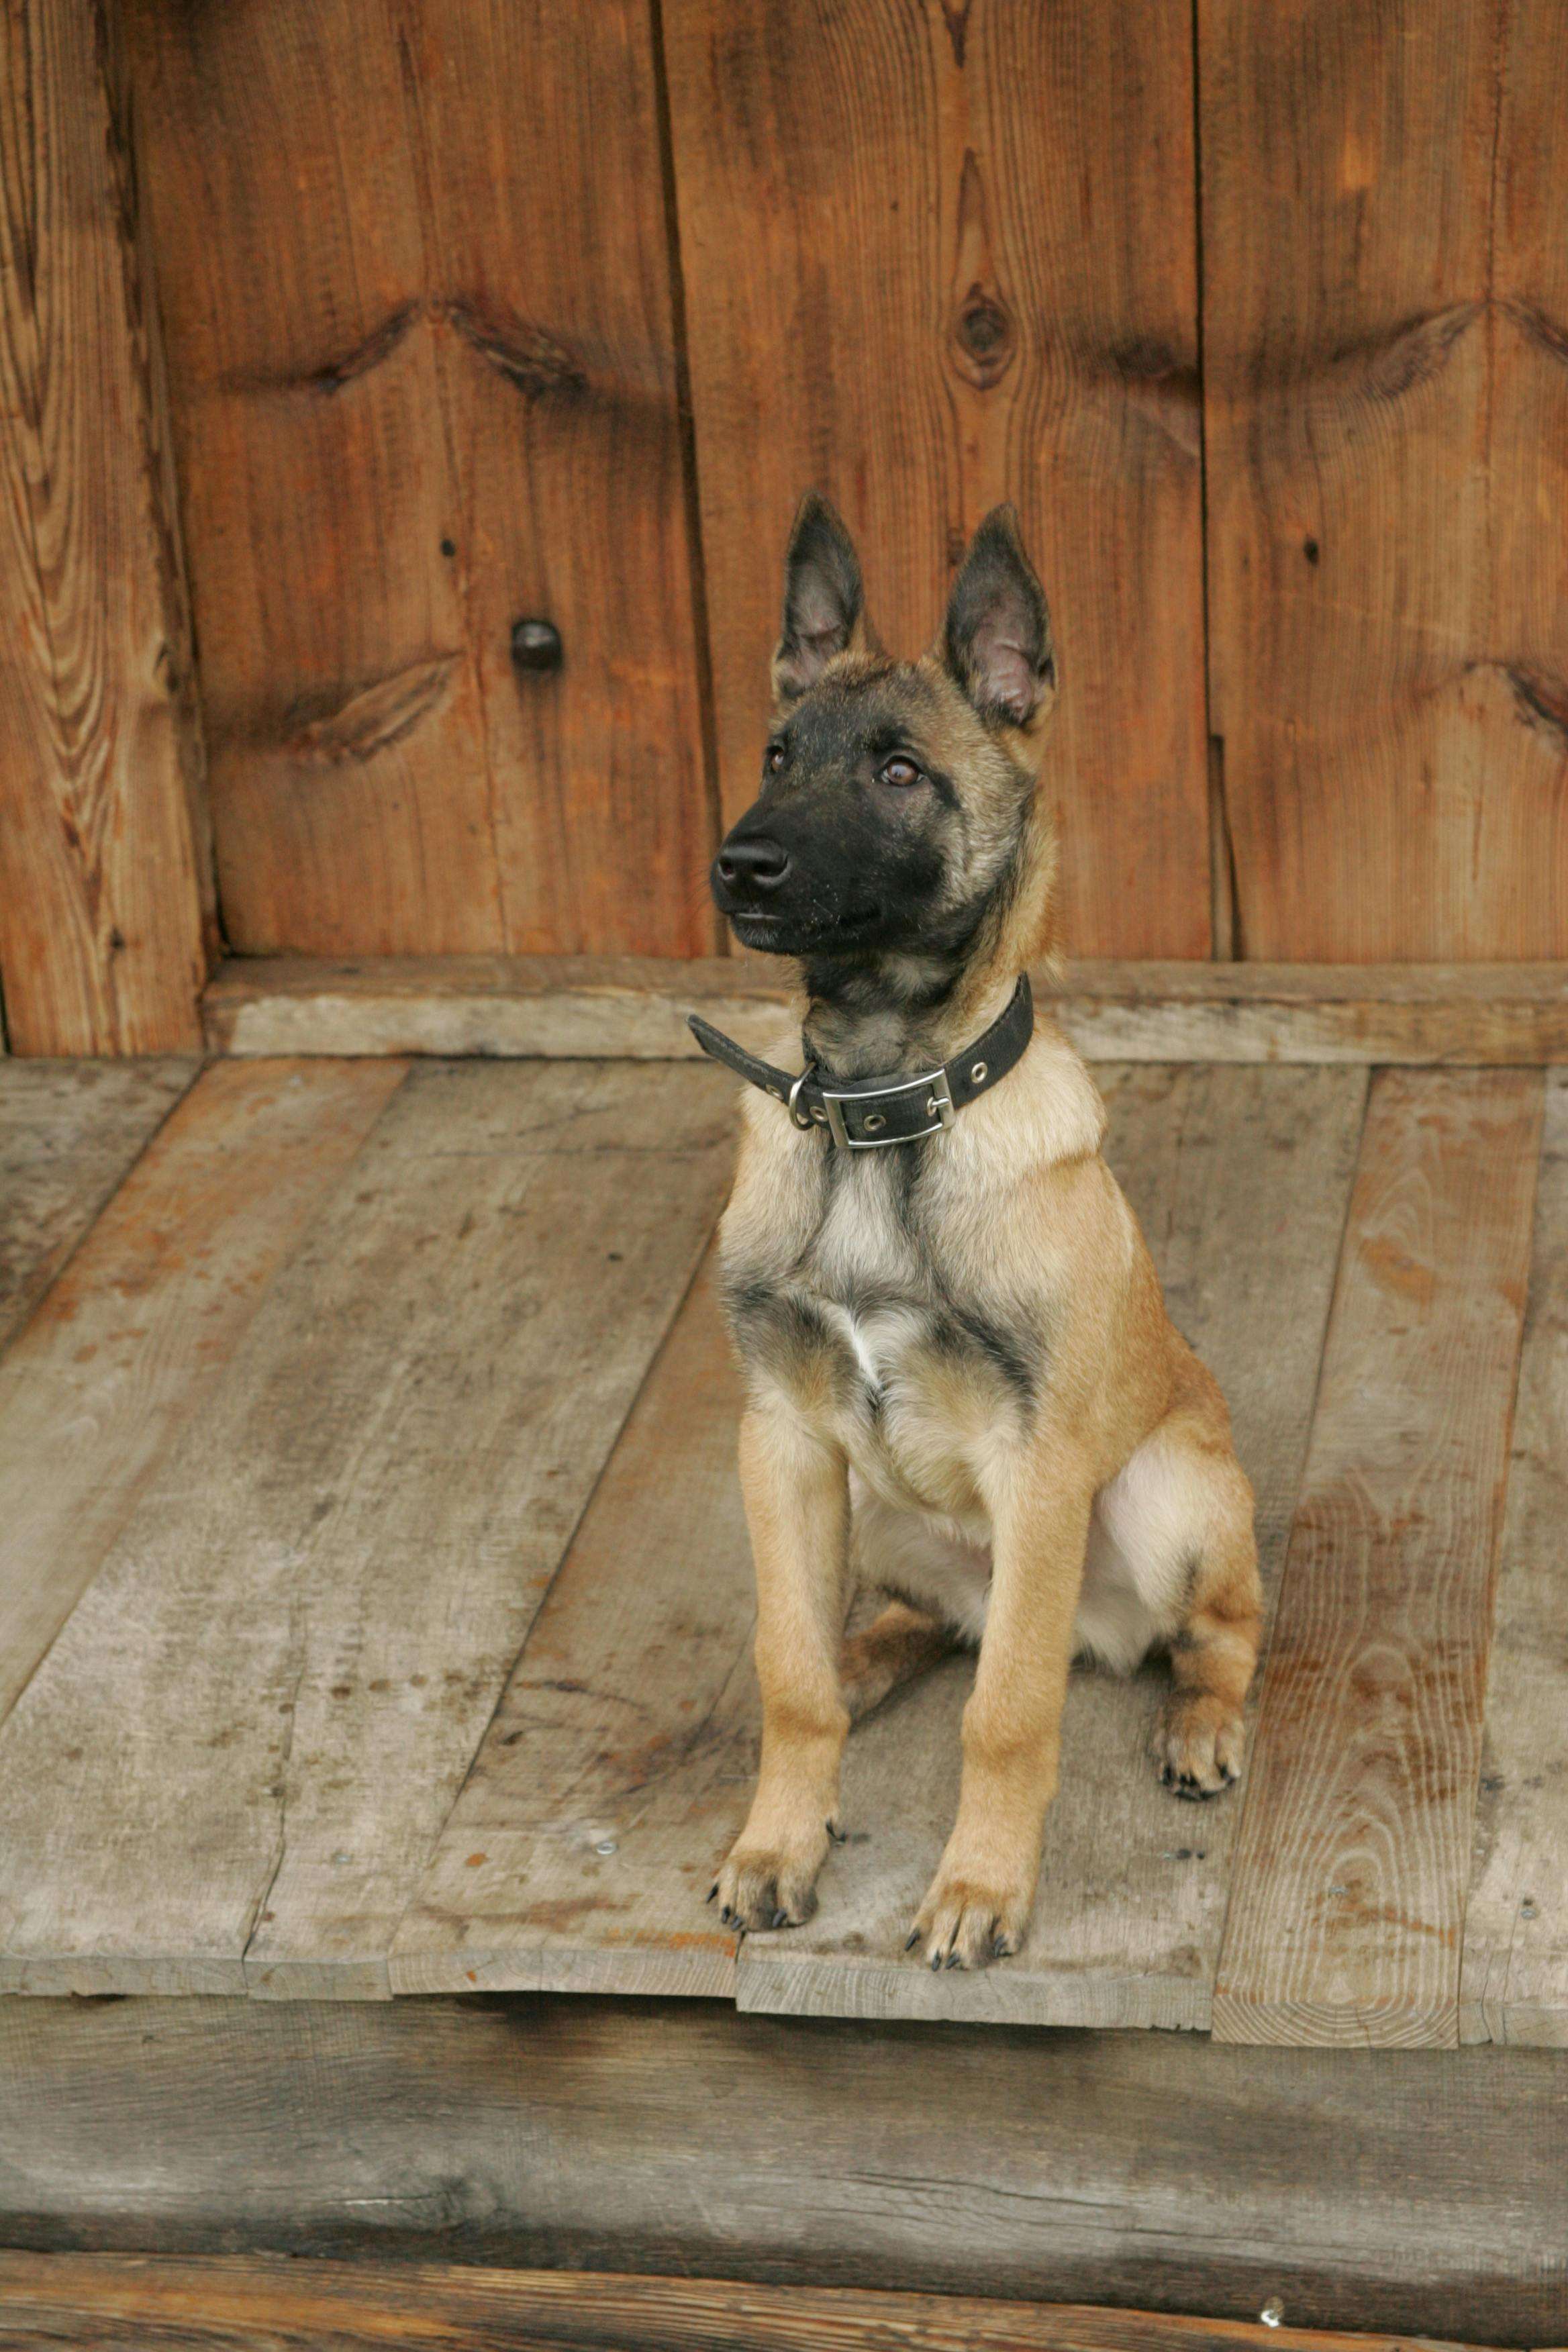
column 796, row 1492
column 978, row 1905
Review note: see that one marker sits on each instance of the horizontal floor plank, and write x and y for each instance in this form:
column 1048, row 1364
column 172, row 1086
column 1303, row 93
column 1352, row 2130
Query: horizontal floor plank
column 1351, row 1872
column 302, row 1630
column 125, row 1348
column 1365, row 2188
column 555, row 1005
column 164, row 2304
column 1514, row 1985
column 69, row 1131
column 1240, row 1179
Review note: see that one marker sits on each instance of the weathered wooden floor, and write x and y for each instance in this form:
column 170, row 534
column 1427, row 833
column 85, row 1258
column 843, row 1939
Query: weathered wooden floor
column 376, row 1606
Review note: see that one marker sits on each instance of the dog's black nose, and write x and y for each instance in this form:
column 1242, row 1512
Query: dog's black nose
column 752, row 863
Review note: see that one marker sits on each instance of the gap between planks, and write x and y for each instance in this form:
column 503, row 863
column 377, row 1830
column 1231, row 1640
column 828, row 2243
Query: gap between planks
column 636, row 1007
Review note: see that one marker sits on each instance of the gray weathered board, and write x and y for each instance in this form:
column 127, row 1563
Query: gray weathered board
column 376, row 1608
column 635, row 1006
column 228, row 1769
column 69, row 1131
column 1514, row 1979
column 1361, row 2187
column 1348, row 1897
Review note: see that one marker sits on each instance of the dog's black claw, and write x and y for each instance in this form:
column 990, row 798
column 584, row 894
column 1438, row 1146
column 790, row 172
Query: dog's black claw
column 911, row 1939
column 836, row 1833
column 781, row 1919
column 713, row 1890
column 727, row 1918
column 954, row 1960
column 935, row 1962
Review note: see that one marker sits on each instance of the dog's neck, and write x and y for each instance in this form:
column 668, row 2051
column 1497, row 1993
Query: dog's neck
column 901, row 1013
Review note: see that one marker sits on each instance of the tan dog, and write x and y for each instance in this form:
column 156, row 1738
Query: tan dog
column 962, row 1385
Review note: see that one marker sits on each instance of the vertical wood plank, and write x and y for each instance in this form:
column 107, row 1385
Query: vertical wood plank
column 619, row 1763
column 1385, row 322
column 128, row 1342
column 105, row 929
column 423, row 386
column 1348, row 1889
column 936, row 256
column 558, row 383
column 1514, row 1981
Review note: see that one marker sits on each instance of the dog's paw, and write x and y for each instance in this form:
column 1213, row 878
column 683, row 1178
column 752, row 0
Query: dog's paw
column 1198, row 1745
column 969, row 1919
column 765, row 1886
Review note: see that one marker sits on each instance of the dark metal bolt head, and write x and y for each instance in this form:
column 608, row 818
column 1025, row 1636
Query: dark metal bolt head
column 535, row 646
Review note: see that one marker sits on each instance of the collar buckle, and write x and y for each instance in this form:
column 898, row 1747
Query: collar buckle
column 938, row 1105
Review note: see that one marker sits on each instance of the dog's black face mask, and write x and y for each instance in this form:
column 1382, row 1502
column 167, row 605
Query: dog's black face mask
column 849, row 847
column 892, row 792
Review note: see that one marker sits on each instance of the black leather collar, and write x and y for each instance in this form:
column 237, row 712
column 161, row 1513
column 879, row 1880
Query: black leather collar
column 867, row 1114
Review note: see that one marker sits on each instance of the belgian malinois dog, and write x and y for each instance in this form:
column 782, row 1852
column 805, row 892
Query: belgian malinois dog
column 962, row 1386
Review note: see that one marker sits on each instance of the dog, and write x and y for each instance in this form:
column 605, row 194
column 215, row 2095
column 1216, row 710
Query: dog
column 962, row 1386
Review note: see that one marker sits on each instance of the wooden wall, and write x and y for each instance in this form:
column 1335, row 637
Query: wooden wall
column 482, row 311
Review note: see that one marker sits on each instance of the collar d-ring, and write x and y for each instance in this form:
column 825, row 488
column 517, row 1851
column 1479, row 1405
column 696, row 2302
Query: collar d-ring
column 801, row 1117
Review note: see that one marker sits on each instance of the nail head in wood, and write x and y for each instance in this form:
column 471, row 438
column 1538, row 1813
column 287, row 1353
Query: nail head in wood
column 535, row 646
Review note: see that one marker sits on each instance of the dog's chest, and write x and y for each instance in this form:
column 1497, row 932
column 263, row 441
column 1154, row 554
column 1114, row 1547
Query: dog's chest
column 913, row 1360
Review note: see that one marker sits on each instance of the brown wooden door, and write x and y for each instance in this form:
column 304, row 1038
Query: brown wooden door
column 939, row 253
column 416, row 290
column 1385, row 332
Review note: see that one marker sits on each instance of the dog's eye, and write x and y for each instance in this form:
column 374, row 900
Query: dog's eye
column 901, row 771
column 776, row 757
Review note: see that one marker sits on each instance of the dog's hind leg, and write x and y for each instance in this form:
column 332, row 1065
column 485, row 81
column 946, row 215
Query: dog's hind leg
column 894, row 1647
column 1214, row 1645
column 1213, row 1651
column 1172, row 1564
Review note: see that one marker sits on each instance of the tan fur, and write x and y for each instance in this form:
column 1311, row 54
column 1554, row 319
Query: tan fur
column 978, row 1510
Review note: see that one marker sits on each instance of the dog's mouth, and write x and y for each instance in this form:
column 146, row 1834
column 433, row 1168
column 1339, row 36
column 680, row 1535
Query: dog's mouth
column 779, row 934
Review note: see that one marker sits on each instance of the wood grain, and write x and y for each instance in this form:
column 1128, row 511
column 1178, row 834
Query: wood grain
column 232, row 1765
column 69, row 1132
column 105, row 904
column 1365, row 2188
column 1348, row 1888
column 943, row 302
column 1385, row 325
column 637, row 1006
column 100, row 1387
column 619, row 1763
column 1128, row 1922
column 106, row 2300
column 423, row 385
column 1513, row 1983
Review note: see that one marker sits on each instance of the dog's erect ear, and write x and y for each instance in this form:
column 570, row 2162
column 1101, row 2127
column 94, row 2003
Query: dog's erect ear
column 996, row 642
column 823, row 610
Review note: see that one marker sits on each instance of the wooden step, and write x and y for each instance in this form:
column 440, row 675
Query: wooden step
column 637, row 1006
column 166, row 2303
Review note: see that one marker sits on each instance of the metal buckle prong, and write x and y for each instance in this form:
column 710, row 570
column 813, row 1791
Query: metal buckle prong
column 802, row 1117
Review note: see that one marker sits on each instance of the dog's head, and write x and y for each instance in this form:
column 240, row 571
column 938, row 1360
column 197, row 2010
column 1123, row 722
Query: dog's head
column 895, row 794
